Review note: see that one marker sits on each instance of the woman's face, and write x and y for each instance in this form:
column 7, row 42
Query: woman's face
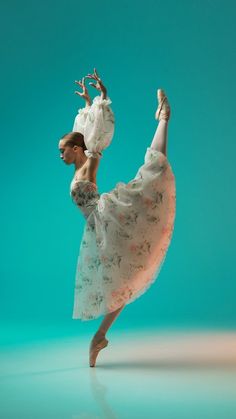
column 67, row 153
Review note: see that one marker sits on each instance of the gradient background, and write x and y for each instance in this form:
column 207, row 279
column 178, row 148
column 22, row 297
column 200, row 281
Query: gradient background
column 185, row 47
column 153, row 368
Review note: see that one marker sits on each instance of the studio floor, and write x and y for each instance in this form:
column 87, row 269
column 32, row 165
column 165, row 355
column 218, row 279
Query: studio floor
column 147, row 374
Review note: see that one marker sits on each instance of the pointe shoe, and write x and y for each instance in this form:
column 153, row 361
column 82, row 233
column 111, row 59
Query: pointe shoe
column 163, row 110
column 95, row 348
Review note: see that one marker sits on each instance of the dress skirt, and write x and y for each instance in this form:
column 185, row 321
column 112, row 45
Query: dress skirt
column 125, row 240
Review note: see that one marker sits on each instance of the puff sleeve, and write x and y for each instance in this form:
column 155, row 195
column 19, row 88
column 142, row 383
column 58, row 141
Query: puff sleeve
column 97, row 124
column 80, row 120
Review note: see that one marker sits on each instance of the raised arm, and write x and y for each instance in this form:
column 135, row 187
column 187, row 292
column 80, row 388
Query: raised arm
column 92, row 167
column 84, row 94
column 81, row 117
column 100, row 123
column 95, row 121
column 99, row 84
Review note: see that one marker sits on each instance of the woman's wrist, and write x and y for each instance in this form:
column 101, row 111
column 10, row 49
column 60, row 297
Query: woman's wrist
column 104, row 93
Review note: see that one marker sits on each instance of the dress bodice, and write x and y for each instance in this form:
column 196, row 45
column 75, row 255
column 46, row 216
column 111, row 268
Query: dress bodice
column 85, row 195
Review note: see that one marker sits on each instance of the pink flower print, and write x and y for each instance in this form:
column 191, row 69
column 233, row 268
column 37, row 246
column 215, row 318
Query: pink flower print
column 121, row 217
column 118, row 296
column 165, row 229
column 100, row 205
column 162, row 158
column 133, row 248
column 148, row 202
column 114, row 294
column 87, row 187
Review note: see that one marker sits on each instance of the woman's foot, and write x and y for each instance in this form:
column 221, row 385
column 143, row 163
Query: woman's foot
column 163, row 110
column 98, row 342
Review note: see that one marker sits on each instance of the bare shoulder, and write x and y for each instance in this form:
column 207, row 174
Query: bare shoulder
column 89, row 170
column 87, row 176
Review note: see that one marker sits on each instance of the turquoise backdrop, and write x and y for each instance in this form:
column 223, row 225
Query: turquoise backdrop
column 184, row 47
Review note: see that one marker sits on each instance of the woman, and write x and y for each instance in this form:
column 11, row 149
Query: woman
column 128, row 230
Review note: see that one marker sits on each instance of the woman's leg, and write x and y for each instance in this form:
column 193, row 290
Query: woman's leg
column 159, row 141
column 107, row 322
column 98, row 342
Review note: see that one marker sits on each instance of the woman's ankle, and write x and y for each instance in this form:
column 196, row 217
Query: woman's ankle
column 100, row 334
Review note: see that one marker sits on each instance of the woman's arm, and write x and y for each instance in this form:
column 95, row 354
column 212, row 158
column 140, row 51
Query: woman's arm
column 84, row 94
column 93, row 163
column 98, row 124
column 81, row 117
column 99, row 85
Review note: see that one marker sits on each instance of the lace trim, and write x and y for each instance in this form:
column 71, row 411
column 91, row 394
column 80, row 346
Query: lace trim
column 99, row 101
column 93, row 154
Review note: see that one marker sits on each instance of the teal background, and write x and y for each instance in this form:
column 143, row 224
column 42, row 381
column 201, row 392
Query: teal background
column 187, row 48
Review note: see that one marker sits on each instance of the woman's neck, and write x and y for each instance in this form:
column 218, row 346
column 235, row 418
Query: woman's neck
column 81, row 165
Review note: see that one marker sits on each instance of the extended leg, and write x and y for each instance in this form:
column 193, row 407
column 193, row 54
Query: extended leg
column 162, row 114
column 159, row 141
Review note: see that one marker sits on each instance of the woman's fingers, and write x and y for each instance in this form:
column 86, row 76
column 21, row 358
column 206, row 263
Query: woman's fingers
column 96, row 74
column 78, row 82
column 81, row 83
column 91, row 76
column 94, row 85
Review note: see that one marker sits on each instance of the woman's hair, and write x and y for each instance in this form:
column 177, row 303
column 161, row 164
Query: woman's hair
column 74, row 138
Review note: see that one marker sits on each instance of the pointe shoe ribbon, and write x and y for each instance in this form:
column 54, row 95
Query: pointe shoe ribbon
column 163, row 110
column 95, row 348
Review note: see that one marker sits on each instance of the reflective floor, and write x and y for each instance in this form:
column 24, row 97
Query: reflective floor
column 152, row 374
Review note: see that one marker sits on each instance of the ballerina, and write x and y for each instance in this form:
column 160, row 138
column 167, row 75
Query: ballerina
column 128, row 229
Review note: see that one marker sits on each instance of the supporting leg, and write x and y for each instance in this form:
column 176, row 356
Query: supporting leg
column 107, row 322
column 99, row 340
column 159, row 141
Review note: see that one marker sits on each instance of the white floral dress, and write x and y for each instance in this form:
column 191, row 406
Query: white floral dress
column 128, row 229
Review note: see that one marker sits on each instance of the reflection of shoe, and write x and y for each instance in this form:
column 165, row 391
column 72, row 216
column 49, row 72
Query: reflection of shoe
column 163, row 110
column 94, row 349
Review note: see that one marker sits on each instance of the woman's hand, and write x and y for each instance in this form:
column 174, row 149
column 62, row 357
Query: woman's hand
column 85, row 93
column 99, row 85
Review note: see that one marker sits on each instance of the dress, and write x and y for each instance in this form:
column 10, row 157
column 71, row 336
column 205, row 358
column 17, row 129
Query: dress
column 126, row 236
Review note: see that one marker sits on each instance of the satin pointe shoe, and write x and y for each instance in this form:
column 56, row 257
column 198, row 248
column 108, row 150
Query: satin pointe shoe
column 94, row 349
column 163, row 110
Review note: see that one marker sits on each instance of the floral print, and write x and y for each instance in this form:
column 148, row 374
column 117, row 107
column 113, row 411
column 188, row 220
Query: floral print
column 126, row 236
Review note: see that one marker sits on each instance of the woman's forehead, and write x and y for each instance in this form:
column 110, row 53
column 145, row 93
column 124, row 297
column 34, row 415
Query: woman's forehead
column 61, row 143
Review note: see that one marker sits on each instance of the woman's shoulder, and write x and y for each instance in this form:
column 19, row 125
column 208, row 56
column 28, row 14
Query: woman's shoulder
column 85, row 177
